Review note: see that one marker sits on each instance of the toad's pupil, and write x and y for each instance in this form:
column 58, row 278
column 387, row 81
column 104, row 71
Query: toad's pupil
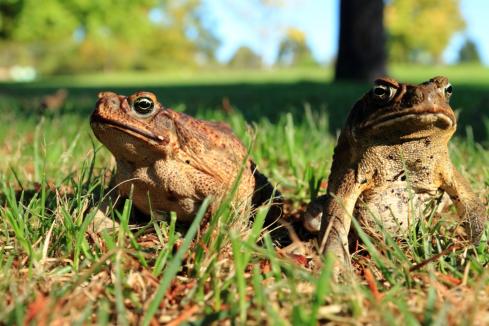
column 449, row 89
column 379, row 91
column 143, row 105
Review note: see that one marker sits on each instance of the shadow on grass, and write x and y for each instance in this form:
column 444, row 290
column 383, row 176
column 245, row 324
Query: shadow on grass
column 254, row 101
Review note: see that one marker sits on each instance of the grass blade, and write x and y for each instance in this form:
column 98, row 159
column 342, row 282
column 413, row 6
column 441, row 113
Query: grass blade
column 175, row 264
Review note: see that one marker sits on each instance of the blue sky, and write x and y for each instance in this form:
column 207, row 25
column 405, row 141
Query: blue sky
column 245, row 22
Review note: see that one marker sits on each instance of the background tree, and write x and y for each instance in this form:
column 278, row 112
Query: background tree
column 361, row 52
column 419, row 30
column 62, row 36
column 205, row 41
column 10, row 10
column 245, row 58
column 294, row 51
column 16, row 49
column 469, row 53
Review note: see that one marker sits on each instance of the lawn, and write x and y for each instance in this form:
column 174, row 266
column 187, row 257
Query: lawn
column 53, row 268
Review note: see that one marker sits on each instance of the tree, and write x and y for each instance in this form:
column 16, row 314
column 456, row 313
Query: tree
column 361, row 52
column 9, row 13
column 79, row 35
column 419, row 30
column 205, row 41
column 15, row 48
column 245, row 58
column 468, row 52
column 293, row 50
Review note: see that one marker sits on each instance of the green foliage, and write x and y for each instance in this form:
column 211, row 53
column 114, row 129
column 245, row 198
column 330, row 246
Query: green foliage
column 9, row 10
column 469, row 53
column 419, row 30
column 244, row 57
column 294, row 51
column 52, row 22
column 75, row 35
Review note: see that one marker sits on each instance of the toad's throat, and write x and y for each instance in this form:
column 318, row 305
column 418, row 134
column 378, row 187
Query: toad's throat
column 127, row 128
column 423, row 115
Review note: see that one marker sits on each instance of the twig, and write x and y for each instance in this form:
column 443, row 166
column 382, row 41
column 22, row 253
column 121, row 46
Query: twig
column 435, row 257
column 184, row 316
column 372, row 284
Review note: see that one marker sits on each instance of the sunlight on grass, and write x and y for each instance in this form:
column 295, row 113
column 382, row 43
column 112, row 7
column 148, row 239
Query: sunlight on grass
column 53, row 174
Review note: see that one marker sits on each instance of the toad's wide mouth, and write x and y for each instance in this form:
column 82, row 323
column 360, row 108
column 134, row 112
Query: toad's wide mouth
column 422, row 116
column 126, row 128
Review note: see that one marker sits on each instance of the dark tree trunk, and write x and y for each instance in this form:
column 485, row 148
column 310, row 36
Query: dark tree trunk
column 361, row 53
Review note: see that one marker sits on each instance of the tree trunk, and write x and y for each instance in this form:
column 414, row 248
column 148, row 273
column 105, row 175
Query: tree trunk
column 361, row 53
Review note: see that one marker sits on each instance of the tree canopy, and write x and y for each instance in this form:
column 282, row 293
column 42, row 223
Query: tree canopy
column 78, row 35
column 419, row 30
column 294, row 51
column 245, row 58
column 468, row 52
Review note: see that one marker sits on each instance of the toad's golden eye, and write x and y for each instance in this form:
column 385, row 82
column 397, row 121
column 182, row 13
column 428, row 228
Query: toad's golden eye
column 383, row 92
column 143, row 105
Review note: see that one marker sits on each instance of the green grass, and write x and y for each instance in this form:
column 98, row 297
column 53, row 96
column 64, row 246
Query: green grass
column 54, row 268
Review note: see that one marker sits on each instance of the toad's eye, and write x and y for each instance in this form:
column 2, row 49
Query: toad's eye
column 383, row 92
column 448, row 90
column 143, row 105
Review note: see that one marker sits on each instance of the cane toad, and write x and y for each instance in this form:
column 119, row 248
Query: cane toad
column 391, row 156
column 171, row 161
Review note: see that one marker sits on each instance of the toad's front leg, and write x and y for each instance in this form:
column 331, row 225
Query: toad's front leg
column 337, row 209
column 469, row 206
